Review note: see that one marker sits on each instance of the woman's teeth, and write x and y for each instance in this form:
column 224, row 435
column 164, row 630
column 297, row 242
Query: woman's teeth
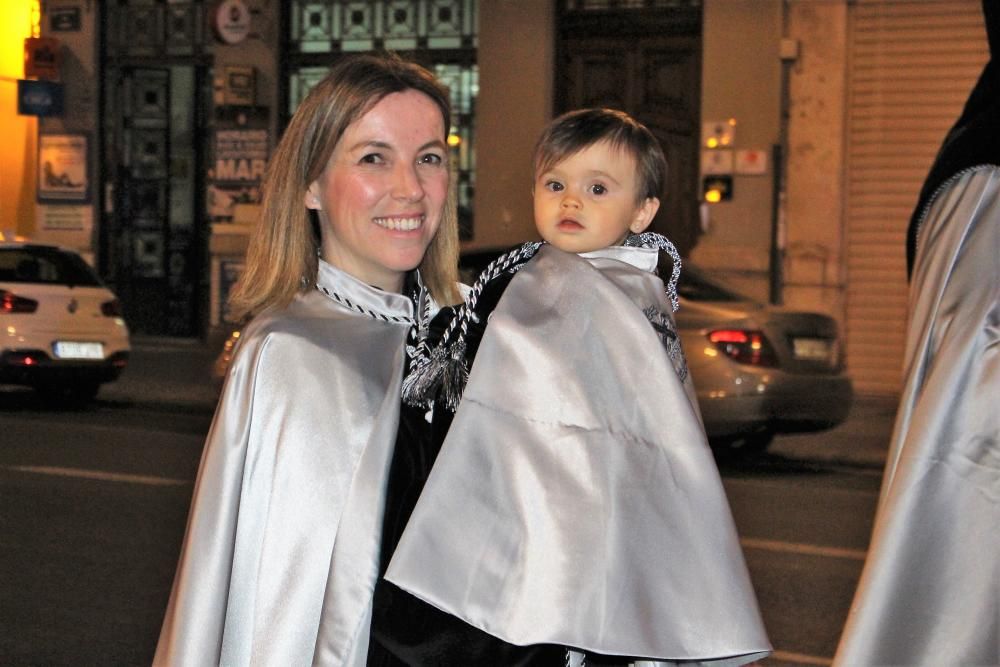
column 400, row 224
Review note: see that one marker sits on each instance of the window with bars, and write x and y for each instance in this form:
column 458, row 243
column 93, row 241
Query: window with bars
column 440, row 34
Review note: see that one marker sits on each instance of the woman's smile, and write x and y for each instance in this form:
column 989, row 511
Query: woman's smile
column 406, row 223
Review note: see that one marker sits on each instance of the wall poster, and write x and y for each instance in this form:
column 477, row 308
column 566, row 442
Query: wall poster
column 62, row 169
column 239, row 158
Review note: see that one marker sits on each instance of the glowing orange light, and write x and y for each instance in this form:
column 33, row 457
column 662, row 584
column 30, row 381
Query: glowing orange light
column 713, row 196
column 712, row 142
column 18, row 19
column 454, row 140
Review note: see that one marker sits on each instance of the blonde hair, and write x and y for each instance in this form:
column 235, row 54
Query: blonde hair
column 282, row 258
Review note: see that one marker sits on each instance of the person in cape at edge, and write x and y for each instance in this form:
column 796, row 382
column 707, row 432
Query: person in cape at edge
column 356, row 243
column 574, row 501
column 929, row 593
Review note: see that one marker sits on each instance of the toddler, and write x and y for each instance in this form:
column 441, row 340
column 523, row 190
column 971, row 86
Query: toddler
column 574, row 501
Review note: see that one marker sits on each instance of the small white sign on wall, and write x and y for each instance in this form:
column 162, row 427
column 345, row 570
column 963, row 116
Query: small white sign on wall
column 716, row 162
column 63, row 218
column 751, row 162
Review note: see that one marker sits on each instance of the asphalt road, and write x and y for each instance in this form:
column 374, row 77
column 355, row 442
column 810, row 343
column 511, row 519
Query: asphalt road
column 93, row 504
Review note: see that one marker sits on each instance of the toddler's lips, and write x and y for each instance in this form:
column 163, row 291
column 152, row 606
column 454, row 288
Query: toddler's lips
column 568, row 225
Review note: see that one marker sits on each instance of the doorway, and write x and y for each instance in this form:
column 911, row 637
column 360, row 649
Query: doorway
column 647, row 62
column 152, row 232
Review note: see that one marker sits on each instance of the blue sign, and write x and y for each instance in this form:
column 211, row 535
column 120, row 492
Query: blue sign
column 39, row 98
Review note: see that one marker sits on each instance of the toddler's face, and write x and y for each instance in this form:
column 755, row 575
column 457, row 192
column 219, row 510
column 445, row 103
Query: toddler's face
column 588, row 201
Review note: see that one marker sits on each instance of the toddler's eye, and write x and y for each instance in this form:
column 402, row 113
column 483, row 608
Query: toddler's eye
column 598, row 189
column 554, row 186
column 372, row 158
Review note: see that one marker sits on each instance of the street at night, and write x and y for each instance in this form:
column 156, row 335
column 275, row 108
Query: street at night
column 94, row 503
column 813, row 186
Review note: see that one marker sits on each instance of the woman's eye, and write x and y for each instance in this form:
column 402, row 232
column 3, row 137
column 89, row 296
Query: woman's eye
column 372, row 158
column 554, row 186
column 598, row 189
column 431, row 158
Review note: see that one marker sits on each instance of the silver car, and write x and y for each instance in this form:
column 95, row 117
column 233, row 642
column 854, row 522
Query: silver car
column 759, row 370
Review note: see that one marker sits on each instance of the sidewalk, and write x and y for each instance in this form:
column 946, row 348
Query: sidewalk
column 177, row 373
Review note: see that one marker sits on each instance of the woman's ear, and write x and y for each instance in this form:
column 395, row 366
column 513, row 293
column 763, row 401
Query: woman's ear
column 312, row 197
column 644, row 215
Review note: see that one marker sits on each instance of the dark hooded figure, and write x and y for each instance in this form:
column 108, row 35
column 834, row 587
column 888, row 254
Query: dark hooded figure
column 930, row 590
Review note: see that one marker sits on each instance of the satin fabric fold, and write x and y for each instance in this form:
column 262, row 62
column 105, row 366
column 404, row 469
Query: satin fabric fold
column 575, row 500
column 930, row 590
column 281, row 552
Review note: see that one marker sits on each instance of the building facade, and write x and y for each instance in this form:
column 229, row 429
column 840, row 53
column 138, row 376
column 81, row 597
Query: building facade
column 798, row 132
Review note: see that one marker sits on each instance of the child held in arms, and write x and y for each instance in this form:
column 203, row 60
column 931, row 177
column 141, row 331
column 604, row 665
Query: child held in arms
column 574, row 501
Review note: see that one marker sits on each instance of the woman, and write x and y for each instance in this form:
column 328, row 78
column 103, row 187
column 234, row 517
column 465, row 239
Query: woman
column 282, row 547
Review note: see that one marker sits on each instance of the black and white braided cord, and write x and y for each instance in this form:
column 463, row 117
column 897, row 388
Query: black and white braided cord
column 660, row 242
column 374, row 314
column 445, row 366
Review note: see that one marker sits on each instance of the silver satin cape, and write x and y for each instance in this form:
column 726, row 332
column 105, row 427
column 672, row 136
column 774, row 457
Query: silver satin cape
column 930, row 590
column 281, row 553
column 575, row 500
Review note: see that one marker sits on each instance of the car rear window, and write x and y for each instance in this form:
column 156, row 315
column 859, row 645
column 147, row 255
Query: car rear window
column 696, row 287
column 45, row 266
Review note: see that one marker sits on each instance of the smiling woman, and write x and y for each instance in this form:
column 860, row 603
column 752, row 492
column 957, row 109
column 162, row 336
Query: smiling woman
column 356, row 245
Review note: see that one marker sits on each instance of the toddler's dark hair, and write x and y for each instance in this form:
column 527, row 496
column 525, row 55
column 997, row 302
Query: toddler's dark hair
column 574, row 131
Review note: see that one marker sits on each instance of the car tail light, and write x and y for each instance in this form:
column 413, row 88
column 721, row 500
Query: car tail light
column 25, row 358
column 744, row 346
column 12, row 303
column 111, row 308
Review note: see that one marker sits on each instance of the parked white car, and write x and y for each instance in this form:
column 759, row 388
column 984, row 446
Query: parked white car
column 61, row 330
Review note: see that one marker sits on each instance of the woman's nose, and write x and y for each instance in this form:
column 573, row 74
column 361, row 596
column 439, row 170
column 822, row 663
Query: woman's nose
column 406, row 183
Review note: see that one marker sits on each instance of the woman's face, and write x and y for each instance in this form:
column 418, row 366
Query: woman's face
column 382, row 194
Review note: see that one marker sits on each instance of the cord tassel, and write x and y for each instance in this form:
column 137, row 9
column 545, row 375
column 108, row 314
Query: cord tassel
column 444, row 368
column 424, row 378
column 455, row 376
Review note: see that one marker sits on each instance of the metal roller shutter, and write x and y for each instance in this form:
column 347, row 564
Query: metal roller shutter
column 911, row 67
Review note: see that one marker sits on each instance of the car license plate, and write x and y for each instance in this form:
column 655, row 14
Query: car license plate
column 73, row 350
column 811, row 349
